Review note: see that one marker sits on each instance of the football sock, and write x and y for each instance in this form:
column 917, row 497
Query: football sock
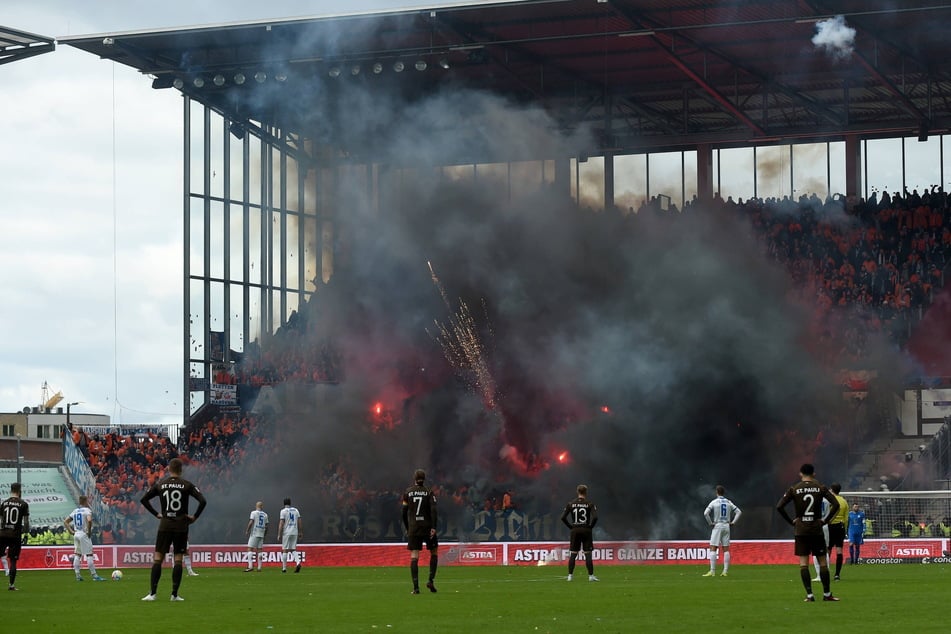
column 91, row 561
column 414, row 572
column 825, row 578
column 712, row 555
column 13, row 571
column 806, row 578
column 77, row 565
column 433, row 563
column 571, row 562
column 726, row 561
column 283, row 560
column 838, row 564
column 155, row 576
column 815, row 564
column 589, row 562
column 176, row 577
column 858, row 553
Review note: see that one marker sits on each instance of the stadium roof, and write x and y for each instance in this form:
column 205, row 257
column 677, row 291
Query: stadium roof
column 645, row 74
column 16, row 45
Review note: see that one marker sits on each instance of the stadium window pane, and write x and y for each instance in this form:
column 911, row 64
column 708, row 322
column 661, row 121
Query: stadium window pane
column 216, row 233
column 689, row 177
column 217, row 144
column 327, row 254
column 837, row 168
column 946, row 171
column 196, row 147
column 883, row 165
column 196, row 218
column 922, row 163
column 772, row 171
column 630, row 181
column 216, row 309
column 293, row 254
column 591, row 177
column 254, row 246
column 275, row 259
column 459, row 173
column 492, row 175
column 310, row 252
column 809, row 162
column 666, row 176
column 736, row 173
column 293, row 177
column 237, row 177
column 235, row 318
column 235, row 231
column 196, row 319
column 254, row 313
column 573, row 171
column 254, row 170
column 526, row 178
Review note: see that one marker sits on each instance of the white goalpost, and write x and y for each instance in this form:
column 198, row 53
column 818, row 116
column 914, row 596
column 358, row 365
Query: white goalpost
column 904, row 514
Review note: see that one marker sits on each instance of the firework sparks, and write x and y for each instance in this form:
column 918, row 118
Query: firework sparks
column 462, row 346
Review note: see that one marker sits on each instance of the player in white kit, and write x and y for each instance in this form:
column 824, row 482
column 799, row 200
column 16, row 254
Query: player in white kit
column 289, row 530
column 721, row 514
column 825, row 533
column 257, row 529
column 79, row 524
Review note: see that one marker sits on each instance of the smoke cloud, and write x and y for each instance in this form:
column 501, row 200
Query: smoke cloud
column 658, row 354
column 834, row 37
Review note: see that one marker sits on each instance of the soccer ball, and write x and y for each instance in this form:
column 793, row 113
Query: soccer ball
column 117, row 575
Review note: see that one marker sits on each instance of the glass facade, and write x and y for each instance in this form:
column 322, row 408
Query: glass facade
column 261, row 229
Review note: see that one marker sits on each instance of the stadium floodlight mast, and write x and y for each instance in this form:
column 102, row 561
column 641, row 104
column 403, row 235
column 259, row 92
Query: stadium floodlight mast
column 69, row 425
column 19, row 461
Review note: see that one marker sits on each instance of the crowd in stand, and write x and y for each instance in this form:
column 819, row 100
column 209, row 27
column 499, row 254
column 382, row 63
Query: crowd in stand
column 293, row 357
column 865, row 269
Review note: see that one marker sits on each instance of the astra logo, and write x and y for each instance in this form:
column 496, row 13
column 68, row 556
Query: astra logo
column 913, row 552
column 482, row 555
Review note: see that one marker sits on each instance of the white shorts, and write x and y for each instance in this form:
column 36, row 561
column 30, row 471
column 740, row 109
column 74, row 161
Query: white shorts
column 720, row 535
column 82, row 543
column 256, row 541
column 289, row 542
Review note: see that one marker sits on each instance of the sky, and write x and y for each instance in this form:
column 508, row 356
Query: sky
column 90, row 210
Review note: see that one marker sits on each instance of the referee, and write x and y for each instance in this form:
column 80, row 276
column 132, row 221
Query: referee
column 837, row 528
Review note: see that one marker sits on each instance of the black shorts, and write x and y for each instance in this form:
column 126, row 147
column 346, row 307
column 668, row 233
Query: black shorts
column 836, row 535
column 177, row 541
column 10, row 546
column 581, row 539
column 811, row 545
column 416, row 539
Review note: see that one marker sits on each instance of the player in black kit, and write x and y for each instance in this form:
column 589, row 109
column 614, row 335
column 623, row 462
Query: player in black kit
column 419, row 520
column 14, row 522
column 173, row 492
column 580, row 516
column 806, row 496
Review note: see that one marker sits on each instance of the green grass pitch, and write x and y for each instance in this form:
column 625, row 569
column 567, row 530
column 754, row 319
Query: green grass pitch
column 887, row 598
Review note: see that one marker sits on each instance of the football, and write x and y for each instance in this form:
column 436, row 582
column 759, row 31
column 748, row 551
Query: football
column 116, row 575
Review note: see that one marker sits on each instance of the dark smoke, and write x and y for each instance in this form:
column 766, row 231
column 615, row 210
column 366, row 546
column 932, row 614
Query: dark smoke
column 679, row 326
